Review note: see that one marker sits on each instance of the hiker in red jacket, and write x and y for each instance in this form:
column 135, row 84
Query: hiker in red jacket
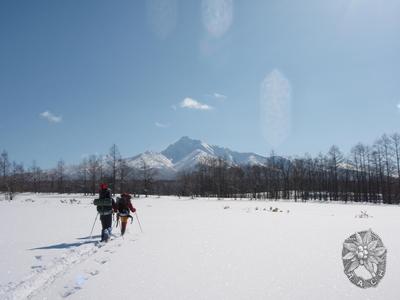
column 124, row 207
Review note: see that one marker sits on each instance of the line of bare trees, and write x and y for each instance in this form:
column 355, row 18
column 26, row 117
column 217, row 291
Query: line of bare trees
column 83, row 178
column 369, row 173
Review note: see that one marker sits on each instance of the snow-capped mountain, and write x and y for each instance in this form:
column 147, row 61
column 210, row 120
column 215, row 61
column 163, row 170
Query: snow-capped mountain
column 186, row 146
column 186, row 153
column 191, row 160
column 151, row 159
column 156, row 161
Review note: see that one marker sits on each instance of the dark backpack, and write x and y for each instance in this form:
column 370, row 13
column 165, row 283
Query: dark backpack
column 123, row 205
column 105, row 194
column 104, row 203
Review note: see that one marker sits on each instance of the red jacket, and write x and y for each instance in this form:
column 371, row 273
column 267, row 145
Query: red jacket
column 129, row 204
column 132, row 209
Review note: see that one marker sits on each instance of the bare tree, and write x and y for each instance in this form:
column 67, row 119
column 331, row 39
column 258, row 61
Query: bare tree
column 123, row 175
column 384, row 145
column 147, row 177
column 17, row 180
column 335, row 158
column 93, row 172
column 396, row 149
column 4, row 169
column 36, row 174
column 113, row 162
column 60, row 174
column 83, row 173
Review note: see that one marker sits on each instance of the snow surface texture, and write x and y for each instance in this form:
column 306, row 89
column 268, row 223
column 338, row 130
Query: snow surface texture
column 190, row 249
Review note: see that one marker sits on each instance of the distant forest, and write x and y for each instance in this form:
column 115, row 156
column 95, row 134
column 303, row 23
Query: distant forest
column 369, row 173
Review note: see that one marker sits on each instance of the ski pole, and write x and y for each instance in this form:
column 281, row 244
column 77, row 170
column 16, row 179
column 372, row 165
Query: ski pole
column 137, row 218
column 95, row 219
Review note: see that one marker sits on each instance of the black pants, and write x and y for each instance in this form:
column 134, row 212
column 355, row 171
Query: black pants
column 106, row 222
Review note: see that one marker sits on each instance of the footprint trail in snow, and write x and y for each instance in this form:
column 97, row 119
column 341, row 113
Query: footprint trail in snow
column 42, row 276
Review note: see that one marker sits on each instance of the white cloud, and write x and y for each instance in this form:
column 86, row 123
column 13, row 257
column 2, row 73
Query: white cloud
column 220, row 96
column 49, row 116
column 161, row 125
column 275, row 108
column 217, row 96
column 398, row 106
column 194, row 104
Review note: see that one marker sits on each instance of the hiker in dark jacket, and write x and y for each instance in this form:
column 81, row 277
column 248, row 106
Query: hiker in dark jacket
column 105, row 206
column 124, row 207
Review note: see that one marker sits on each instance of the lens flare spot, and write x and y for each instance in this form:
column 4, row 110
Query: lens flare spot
column 217, row 16
column 275, row 108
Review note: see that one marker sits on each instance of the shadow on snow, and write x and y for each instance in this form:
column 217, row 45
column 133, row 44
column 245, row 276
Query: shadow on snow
column 70, row 245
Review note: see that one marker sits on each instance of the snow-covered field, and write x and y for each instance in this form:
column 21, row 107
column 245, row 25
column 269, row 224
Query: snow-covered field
column 189, row 249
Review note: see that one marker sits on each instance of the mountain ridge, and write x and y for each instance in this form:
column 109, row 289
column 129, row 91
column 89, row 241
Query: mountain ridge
column 186, row 153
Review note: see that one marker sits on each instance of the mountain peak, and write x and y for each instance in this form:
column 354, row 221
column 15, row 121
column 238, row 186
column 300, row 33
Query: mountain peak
column 187, row 140
column 186, row 153
column 184, row 139
column 183, row 147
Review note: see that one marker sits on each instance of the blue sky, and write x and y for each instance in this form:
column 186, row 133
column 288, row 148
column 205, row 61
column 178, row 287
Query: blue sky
column 77, row 76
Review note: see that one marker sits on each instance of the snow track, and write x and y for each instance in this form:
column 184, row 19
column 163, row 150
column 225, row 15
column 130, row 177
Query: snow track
column 191, row 249
column 43, row 276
